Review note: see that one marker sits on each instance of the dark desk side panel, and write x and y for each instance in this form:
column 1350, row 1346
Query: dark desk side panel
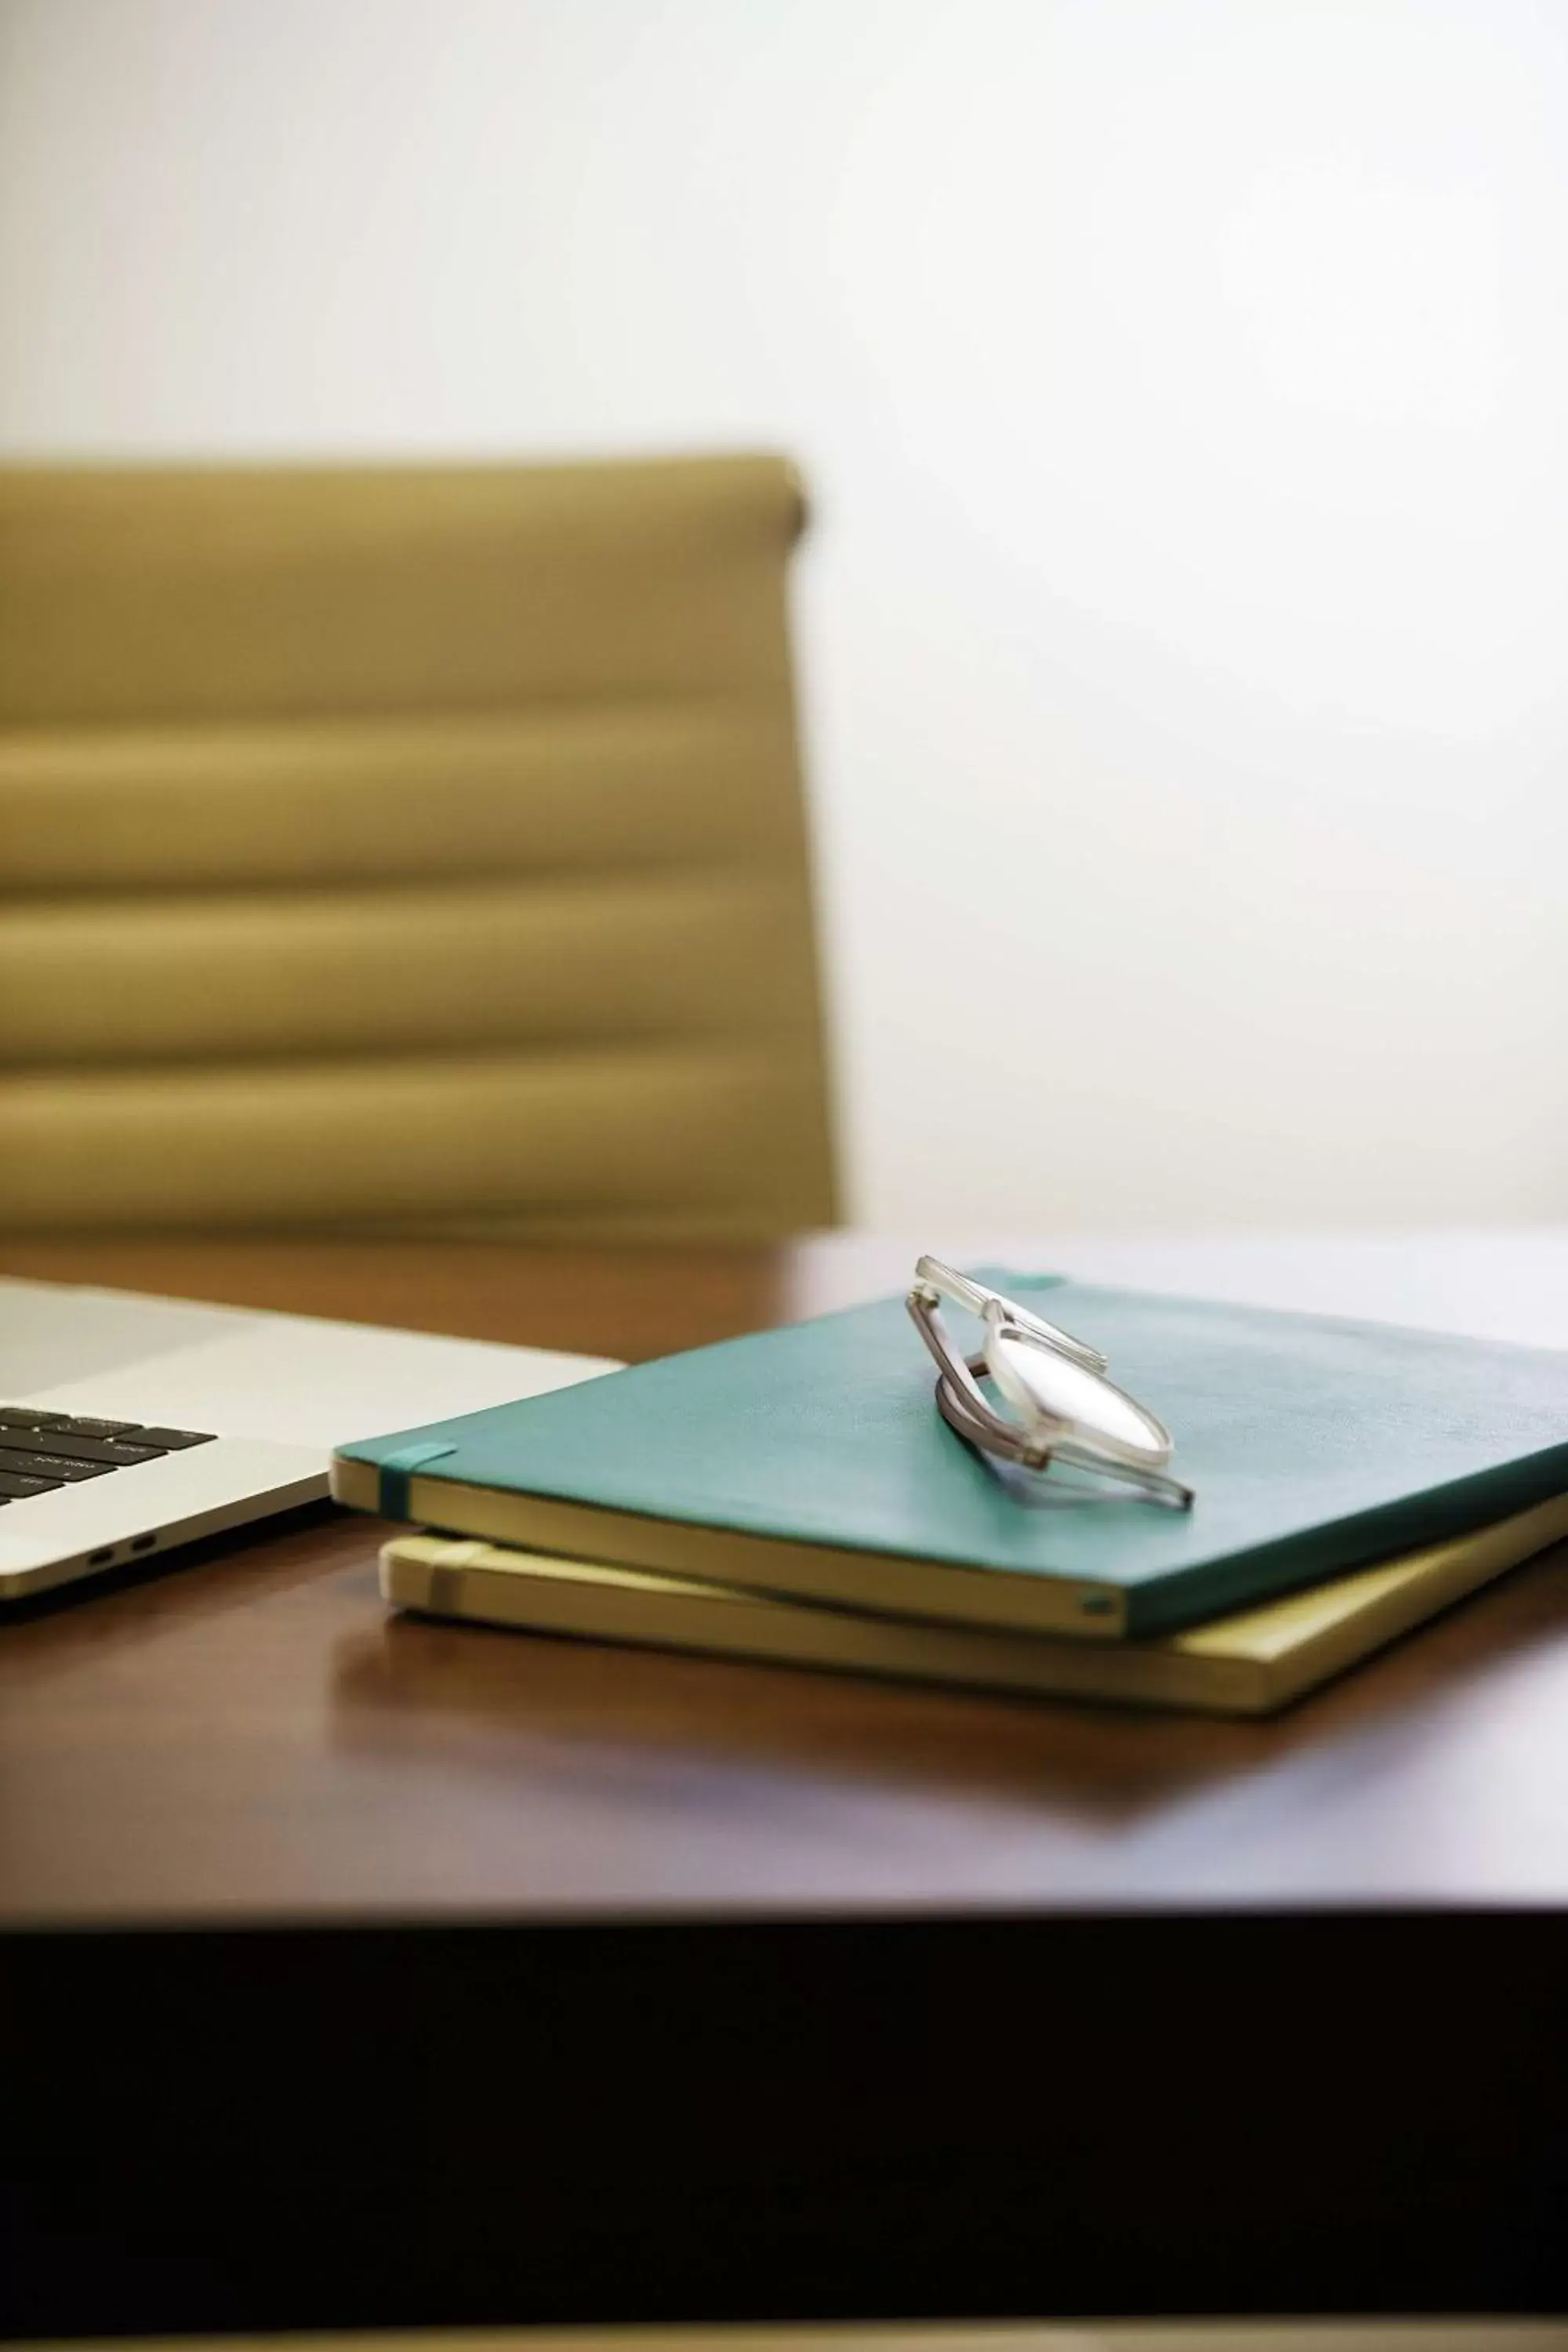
column 769, row 2121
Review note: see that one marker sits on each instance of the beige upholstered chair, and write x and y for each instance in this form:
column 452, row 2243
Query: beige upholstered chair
column 404, row 847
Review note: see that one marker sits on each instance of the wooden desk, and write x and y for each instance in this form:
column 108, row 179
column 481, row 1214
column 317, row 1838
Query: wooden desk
column 443, row 1976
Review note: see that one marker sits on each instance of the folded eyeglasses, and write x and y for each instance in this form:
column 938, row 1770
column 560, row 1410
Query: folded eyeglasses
column 1067, row 1411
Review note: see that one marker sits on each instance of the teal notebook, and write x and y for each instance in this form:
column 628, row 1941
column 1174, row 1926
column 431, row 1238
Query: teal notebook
column 812, row 1460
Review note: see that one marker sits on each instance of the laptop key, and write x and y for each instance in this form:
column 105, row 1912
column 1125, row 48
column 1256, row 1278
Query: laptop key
column 20, row 1461
column 15, row 1488
column 81, row 1424
column 173, row 1440
column 112, row 1452
column 26, row 1417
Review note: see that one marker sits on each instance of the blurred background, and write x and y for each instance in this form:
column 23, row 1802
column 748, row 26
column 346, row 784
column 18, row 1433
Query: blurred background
column 1178, row 384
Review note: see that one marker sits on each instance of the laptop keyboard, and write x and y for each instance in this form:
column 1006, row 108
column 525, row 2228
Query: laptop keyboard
column 42, row 1451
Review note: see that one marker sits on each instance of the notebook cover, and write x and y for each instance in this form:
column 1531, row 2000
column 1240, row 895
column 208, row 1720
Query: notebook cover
column 1315, row 1445
column 1248, row 1663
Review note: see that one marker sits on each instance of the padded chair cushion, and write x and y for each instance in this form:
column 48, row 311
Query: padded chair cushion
column 703, row 781
column 411, row 845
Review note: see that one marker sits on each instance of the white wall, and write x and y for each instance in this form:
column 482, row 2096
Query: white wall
column 1182, row 386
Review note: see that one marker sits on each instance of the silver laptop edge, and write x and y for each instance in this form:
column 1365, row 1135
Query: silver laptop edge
column 268, row 1395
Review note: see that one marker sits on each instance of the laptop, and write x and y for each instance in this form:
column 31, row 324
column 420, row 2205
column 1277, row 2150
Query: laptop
column 128, row 1425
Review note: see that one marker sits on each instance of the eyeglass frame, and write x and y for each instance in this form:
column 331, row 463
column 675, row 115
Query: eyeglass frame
column 1044, row 1437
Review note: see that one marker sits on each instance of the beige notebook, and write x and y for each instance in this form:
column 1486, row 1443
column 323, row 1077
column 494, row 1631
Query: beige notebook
column 1247, row 1663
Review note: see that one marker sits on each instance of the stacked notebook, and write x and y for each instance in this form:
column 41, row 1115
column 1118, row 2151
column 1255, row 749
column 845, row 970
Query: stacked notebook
column 794, row 1496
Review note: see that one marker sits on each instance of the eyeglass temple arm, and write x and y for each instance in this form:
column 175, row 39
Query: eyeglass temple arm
column 946, row 1282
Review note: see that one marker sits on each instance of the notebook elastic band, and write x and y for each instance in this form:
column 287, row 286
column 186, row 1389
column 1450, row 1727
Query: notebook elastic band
column 395, row 1472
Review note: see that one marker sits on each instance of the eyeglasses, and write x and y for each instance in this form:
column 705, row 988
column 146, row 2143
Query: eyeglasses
column 1067, row 1409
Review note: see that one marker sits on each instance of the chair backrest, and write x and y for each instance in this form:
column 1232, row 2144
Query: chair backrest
column 406, row 846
